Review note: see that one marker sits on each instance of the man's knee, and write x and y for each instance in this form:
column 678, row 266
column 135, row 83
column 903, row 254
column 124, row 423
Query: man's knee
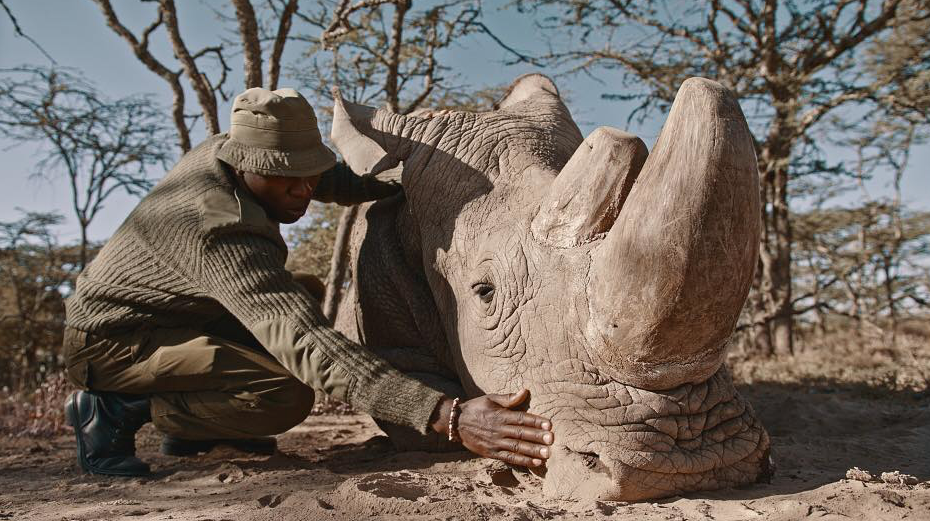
column 285, row 408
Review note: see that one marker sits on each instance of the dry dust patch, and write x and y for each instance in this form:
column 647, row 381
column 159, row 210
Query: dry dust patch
column 342, row 468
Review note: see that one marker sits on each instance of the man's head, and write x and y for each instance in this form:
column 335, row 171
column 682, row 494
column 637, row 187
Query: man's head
column 276, row 149
column 285, row 199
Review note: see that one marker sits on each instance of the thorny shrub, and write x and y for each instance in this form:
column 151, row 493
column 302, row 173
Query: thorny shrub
column 36, row 413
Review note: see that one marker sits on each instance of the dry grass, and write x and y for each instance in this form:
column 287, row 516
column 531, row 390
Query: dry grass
column 846, row 359
column 326, row 405
column 839, row 359
column 36, row 413
column 40, row 413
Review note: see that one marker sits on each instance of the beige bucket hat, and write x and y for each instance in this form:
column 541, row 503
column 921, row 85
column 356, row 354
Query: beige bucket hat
column 275, row 133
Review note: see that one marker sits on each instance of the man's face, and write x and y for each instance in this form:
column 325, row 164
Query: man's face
column 285, row 199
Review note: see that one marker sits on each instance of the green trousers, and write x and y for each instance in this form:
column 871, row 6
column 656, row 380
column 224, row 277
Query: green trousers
column 217, row 382
column 201, row 386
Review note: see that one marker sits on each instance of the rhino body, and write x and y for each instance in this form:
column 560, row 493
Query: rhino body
column 604, row 279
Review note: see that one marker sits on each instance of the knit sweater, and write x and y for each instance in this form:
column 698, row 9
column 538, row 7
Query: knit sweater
column 199, row 247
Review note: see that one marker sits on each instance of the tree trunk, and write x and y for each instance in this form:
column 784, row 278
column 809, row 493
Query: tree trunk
column 284, row 27
column 28, row 369
column 760, row 337
column 775, row 247
column 783, row 318
column 251, row 48
column 198, row 81
column 339, row 263
column 391, row 92
column 82, row 259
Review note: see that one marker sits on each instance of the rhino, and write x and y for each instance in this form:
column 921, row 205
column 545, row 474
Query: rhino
column 603, row 278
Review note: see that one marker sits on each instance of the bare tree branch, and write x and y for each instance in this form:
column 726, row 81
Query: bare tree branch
column 251, row 49
column 19, row 32
column 198, row 80
column 141, row 50
column 102, row 145
column 277, row 49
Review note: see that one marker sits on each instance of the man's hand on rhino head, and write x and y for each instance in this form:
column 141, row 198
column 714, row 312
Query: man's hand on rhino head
column 488, row 427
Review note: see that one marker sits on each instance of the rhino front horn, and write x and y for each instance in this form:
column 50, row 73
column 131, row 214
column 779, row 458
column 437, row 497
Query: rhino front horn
column 585, row 199
column 669, row 280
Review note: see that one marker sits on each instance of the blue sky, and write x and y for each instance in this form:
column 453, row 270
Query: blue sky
column 84, row 42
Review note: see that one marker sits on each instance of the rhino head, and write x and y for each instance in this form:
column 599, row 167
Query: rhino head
column 601, row 277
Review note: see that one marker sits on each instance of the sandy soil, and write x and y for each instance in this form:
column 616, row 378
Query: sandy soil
column 342, row 468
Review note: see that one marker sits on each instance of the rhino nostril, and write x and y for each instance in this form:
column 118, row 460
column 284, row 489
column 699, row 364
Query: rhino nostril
column 590, row 459
column 587, row 463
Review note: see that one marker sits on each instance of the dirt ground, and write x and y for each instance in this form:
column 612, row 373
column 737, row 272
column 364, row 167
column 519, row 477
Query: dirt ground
column 340, row 467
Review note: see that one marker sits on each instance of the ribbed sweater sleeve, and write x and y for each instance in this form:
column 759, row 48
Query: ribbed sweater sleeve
column 244, row 271
column 342, row 186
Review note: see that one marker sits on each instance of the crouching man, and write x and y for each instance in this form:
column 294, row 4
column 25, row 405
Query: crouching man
column 188, row 318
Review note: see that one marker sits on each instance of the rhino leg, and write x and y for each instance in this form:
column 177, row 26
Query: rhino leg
column 389, row 308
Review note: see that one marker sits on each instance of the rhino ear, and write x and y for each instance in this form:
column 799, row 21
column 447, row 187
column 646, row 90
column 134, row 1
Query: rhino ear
column 526, row 87
column 361, row 153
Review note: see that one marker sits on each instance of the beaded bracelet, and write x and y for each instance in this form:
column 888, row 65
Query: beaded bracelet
column 453, row 423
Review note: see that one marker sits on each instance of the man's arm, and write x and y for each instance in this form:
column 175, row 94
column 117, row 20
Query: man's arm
column 245, row 272
column 342, row 186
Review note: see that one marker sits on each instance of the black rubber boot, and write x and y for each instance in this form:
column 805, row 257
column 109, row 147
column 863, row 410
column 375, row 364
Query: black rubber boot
column 105, row 425
column 180, row 447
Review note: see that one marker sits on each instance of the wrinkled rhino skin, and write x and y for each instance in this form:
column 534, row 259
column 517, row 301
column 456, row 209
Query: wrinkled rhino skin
column 601, row 277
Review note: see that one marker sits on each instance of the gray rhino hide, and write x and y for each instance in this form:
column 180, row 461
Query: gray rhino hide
column 604, row 279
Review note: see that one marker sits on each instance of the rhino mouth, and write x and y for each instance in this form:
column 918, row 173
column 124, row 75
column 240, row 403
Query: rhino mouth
column 658, row 444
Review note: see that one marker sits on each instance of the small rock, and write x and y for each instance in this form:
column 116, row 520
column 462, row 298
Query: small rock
column 607, row 508
column 270, row 500
column 897, row 478
column 121, row 502
column 503, row 477
column 858, row 474
column 892, row 497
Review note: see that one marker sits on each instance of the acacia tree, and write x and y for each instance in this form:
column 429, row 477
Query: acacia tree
column 871, row 254
column 388, row 53
column 864, row 264
column 101, row 145
column 383, row 52
column 186, row 63
column 793, row 64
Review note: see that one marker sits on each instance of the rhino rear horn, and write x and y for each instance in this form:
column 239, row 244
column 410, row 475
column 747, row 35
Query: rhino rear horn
column 668, row 282
column 526, row 87
column 586, row 197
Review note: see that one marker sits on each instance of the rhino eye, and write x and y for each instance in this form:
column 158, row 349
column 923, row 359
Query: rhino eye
column 485, row 291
